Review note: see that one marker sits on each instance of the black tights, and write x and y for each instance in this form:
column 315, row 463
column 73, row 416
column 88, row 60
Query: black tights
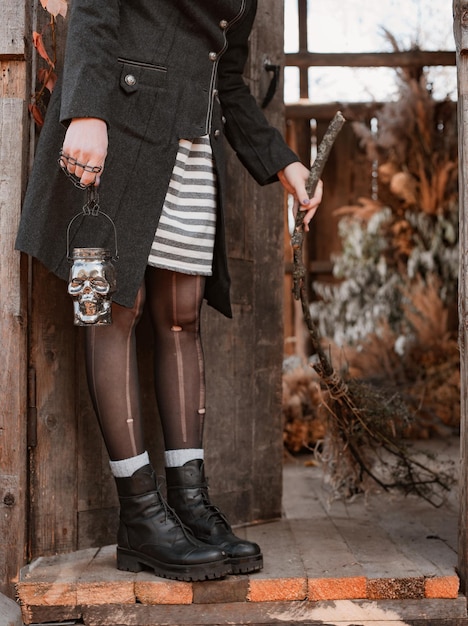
column 174, row 302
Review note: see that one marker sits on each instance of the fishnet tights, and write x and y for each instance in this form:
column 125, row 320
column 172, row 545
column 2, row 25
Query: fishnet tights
column 174, row 302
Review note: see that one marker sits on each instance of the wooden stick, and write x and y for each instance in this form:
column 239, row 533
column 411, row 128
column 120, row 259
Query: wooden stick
column 297, row 239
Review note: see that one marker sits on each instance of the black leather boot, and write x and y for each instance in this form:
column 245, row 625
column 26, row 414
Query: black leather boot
column 187, row 494
column 151, row 535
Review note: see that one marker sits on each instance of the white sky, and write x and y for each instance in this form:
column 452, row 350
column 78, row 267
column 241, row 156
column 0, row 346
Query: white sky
column 356, row 26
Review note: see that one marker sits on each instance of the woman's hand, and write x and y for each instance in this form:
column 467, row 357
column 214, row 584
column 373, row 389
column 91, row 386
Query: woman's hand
column 294, row 178
column 85, row 149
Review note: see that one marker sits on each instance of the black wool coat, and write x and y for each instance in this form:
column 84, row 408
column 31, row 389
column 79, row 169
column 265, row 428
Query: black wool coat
column 155, row 71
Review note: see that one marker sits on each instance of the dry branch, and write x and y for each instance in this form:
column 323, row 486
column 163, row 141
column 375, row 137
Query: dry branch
column 362, row 441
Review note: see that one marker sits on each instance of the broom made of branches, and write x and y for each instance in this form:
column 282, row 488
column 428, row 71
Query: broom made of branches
column 362, row 442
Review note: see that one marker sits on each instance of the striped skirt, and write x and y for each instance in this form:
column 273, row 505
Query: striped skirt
column 184, row 238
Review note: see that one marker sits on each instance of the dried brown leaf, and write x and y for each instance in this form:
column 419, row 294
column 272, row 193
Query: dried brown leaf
column 38, row 43
column 36, row 114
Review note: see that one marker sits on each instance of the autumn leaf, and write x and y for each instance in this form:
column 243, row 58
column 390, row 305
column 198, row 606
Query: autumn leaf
column 47, row 78
column 39, row 45
column 55, row 7
column 37, row 115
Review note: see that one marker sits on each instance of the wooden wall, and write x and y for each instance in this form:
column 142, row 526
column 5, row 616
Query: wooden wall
column 72, row 497
column 13, row 329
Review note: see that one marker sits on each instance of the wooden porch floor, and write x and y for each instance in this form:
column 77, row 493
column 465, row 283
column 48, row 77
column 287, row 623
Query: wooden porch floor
column 384, row 559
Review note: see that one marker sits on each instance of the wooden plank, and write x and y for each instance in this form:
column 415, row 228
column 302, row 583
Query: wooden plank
column 13, row 331
column 150, row 589
column 243, row 430
column 12, row 30
column 102, row 583
column 352, row 111
column 419, row 559
column 370, row 59
column 283, row 576
column 229, row 589
column 97, row 502
column 429, row 551
column 461, row 40
column 344, row 612
column 302, row 10
column 229, row 403
column 265, row 420
column 50, row 615
column 332, row 569
column 346, row 176
column 52, row 581
column 53, row 479
column 325, row 111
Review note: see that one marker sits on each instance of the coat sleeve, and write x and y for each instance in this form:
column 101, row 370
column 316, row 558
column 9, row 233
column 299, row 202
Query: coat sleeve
column 91, row 51
column 260, row 147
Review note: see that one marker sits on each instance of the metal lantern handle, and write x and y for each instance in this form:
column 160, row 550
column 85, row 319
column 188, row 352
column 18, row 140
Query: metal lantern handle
column 91, row 207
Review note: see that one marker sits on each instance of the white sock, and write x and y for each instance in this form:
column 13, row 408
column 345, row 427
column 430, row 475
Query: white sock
column 127, row 467
column 177, row 458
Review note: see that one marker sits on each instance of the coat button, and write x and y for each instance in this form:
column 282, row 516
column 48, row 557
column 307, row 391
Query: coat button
column 130, row 80
column 217, row 133
column 213, row 56
column 223, row 24
column 215, row 93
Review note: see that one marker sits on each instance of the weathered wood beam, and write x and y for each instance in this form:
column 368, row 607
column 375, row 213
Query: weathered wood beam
column 370, row 59
column 11, row 57
column 303, row 46
column 352, row 110
column 460, row 12
column 306, row 110
column 12, row 29
column 14, row 132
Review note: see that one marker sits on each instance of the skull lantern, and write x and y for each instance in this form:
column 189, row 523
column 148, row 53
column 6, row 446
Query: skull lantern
column 91, row 285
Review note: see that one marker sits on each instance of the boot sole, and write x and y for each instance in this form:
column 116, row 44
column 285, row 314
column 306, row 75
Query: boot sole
column 246, row 564
column 131, row 561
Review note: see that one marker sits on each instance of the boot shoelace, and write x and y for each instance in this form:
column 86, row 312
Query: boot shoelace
column 212, row 511
column 170, row 514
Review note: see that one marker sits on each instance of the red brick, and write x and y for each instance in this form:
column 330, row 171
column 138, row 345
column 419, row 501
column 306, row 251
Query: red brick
column 442, row 587
column 47, row 593
column 117, row 592
column 395, row 588
column 232, row 589
column 163, row 592
column 277, row 589
column 352, row 588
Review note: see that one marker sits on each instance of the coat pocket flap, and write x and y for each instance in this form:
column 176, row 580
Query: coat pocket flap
column 136, row 75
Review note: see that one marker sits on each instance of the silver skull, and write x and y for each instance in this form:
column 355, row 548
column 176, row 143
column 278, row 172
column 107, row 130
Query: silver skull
column 91, row 285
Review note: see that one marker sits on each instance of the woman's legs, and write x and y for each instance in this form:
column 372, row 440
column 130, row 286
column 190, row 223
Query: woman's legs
column 175, row 301
column 112, row 372
column 150, row 534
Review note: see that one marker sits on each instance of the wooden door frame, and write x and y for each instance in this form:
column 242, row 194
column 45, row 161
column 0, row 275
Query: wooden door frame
column 460, row 12
column 14, row 123
column 14, row 141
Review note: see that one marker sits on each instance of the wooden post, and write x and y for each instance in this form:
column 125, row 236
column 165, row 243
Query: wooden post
column 460, row 10
column 13, row 371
